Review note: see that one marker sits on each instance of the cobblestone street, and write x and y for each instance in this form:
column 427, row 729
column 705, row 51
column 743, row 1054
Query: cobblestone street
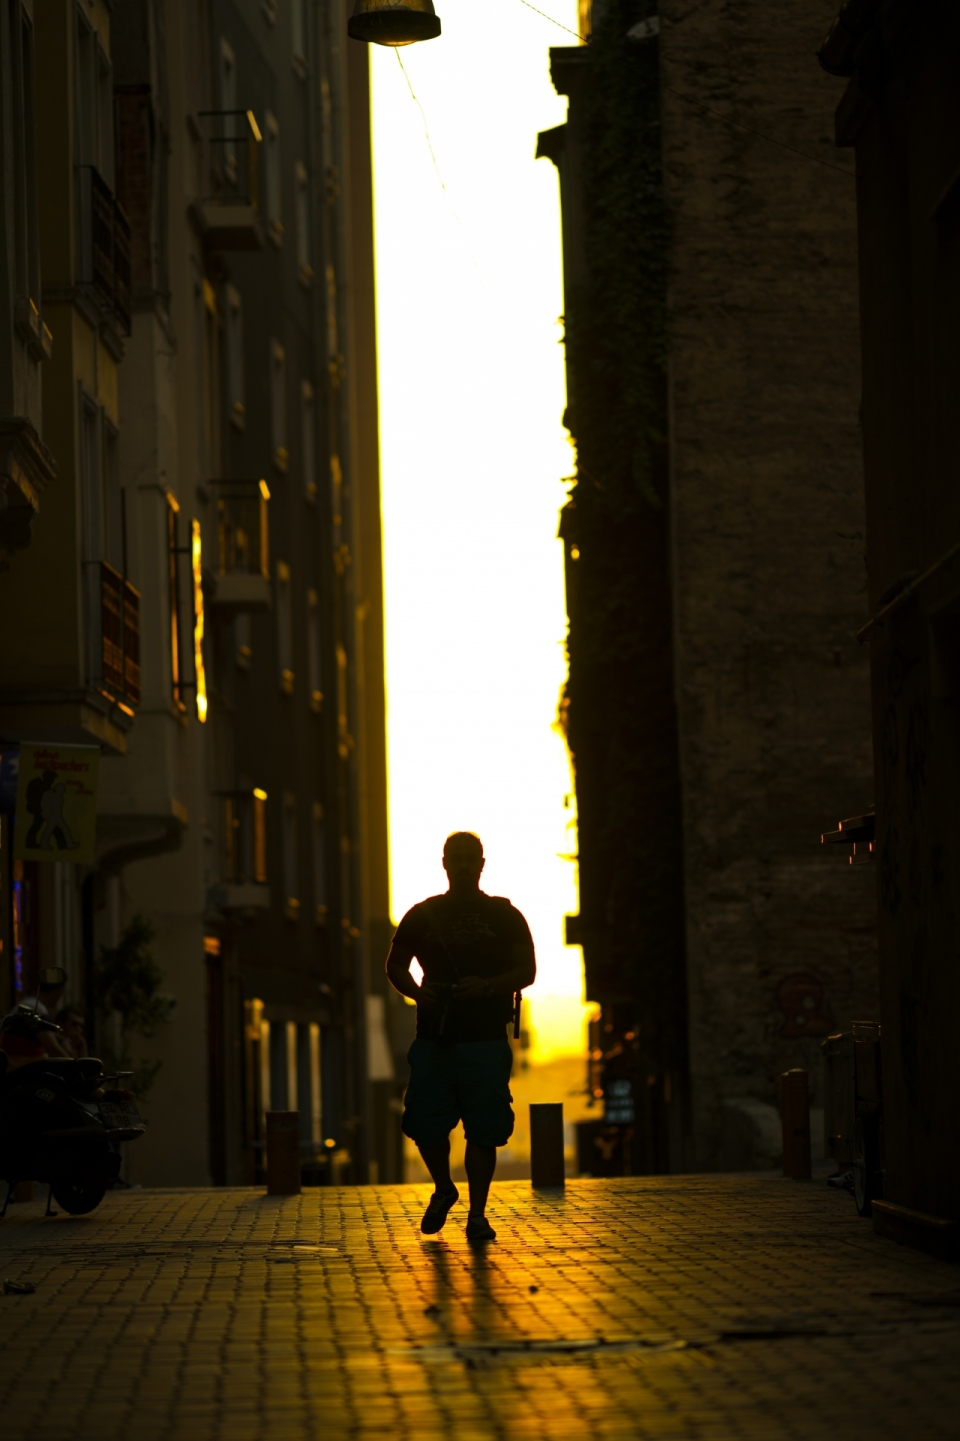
column 684, row 1307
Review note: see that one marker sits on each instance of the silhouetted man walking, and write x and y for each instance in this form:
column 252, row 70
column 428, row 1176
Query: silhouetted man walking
column 475, row 951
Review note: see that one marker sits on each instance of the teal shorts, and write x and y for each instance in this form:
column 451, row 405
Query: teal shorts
column 453, row 1081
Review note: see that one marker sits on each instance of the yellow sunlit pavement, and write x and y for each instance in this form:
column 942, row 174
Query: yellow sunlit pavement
column 691, row 1308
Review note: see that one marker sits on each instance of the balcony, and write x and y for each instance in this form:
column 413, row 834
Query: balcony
column 242, row 579
column 227, row 212
column 104, row 260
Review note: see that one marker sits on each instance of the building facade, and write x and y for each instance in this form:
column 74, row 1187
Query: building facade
column 717, row 704
column 900, row 119
column 216, row 436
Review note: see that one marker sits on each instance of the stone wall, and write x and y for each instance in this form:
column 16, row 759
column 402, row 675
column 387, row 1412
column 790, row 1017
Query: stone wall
column 767, row 517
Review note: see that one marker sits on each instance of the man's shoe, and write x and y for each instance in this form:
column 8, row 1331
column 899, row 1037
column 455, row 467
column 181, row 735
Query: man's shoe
column 479, row 1229
column 435, row 1216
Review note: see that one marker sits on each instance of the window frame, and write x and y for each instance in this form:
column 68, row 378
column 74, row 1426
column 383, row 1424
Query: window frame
column 273, row 176
column 284, row 604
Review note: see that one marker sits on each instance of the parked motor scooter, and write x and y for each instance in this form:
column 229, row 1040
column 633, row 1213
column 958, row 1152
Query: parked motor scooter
column 60, row 1117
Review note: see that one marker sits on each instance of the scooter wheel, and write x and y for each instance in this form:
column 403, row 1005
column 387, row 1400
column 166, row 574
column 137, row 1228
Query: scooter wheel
column 79, row 1197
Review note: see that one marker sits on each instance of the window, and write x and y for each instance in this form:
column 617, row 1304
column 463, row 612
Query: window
column 316, row 1113
column 91, row 490
column 242, row 649
column 291, row 904
column 333, row 352
column 284, row 628
column 273, row 175
column 235, row 387
column 319, row 848
column 308, row 440
column 336, row 500
column 298, row 37
column 94, row 100
column 112, row 540
column 314, row 662
column 173, row 601
column 210, row 320
column 260, row 837
column 196, row 570
column 228, row 104
column 278, row 405
column 302, row 199
column 26, row 238
column 344, row 740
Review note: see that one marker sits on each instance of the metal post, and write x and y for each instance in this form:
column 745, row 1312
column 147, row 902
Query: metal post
column 283, row 1153
column 546, row 1145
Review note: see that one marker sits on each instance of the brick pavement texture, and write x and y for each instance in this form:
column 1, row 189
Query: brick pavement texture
column 690, row 1308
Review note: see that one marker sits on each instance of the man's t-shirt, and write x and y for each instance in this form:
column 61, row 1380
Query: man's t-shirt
column 453, row 940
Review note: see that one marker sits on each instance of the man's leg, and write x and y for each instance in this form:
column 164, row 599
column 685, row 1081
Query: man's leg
column 480, row 1163
column 437, row 1161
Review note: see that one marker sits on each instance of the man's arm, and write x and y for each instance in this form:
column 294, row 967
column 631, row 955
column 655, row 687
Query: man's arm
column 522, row 973
column 399, row 962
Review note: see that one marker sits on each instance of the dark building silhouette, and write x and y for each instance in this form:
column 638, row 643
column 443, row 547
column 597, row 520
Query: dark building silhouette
column 717, row 706
column 900, row 118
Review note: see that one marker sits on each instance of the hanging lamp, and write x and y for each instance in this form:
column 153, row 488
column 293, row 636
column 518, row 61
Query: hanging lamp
column 384, row 22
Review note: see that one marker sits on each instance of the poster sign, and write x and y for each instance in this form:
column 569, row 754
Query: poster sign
column 57, row 803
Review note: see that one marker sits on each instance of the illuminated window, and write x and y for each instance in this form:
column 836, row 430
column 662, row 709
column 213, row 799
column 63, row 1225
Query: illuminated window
column 291, row 885
column 235, row 380
column 314, row 654
column 278, row 404
column 196, row 558
column 302, row 198
column 336, row 498
column 284, row 627
column 273, row 175
column 173, row 601
column 318, row 837
column 260, row 837
column 316, row 1095
column 308, row 440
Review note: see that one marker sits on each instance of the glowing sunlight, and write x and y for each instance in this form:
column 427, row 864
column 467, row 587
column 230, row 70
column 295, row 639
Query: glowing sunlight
column 469, row 291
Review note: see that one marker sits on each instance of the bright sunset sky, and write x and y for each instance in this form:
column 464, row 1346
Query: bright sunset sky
column 469, row 294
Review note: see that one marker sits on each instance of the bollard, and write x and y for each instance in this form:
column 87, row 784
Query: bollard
column 283, row 1153
column 546, row 1145
column 795, row 1116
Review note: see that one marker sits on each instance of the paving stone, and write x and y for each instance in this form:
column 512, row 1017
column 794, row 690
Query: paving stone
column 678, row 1308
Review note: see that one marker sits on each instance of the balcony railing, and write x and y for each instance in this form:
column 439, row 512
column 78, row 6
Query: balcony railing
column 228, row 207
column 119, row 635
column 104, row 261
column 243, row 544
